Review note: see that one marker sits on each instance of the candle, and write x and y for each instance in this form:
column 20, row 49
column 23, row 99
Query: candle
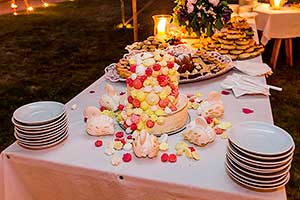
column 161, row 26
column 277, row 4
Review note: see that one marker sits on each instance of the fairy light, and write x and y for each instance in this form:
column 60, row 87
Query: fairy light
column 30, row 9
column 45, row 4
column 14, row 7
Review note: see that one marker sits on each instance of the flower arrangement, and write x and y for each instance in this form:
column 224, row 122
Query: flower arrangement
column 201, row 16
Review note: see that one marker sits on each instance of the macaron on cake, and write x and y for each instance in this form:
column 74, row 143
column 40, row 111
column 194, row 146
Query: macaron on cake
column 153, row 100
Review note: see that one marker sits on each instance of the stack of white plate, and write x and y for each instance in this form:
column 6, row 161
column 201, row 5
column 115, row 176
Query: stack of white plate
column 40, row 125
column 259, row 155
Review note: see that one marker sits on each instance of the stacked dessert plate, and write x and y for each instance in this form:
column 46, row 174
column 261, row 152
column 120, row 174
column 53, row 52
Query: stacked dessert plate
column 259, row 155
column 40, row 125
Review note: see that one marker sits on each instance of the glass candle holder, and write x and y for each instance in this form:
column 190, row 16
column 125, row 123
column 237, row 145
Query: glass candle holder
column 161, row 25
column 277, row 4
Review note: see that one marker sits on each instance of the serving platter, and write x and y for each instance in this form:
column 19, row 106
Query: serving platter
column 112, row 74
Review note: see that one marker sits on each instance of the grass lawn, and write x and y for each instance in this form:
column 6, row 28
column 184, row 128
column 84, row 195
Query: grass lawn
column 56, row 52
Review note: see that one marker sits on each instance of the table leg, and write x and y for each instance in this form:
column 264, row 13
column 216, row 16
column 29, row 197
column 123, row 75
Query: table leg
column 135, row 23
column 275, row 53
column 289, row 51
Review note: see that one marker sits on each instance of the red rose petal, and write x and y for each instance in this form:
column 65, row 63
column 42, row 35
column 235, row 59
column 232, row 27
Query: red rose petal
column 92, row 91
column 164, row 157
column 247, row 111
column 98, row 143
column 129, row 137
column 225, row 92
column 172, row 158
column 127, row 157
column 119, row 134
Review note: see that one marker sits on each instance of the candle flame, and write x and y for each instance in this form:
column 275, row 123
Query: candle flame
column 161, row 26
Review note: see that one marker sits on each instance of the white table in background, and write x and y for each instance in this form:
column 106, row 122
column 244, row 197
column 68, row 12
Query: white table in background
column 278, row 25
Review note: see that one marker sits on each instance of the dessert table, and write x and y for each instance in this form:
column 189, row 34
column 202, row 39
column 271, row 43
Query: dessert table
column 75, row 169
column 278, row 24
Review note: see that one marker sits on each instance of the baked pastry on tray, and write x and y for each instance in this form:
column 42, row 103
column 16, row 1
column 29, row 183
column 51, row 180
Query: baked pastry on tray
column 234, row 40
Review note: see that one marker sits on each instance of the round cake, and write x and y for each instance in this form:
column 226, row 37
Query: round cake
column 153, row 101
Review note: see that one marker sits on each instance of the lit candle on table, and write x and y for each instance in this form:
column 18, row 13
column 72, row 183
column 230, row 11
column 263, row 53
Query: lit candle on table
column 277, row 4
column 161, row 26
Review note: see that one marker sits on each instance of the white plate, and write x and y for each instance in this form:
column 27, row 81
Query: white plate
column 258, row 169
column 50, row 135
column 40, row 127
column 39, row 112
column 251, row 161
column 263, row 158
column 252, row 179
column 255, row 186
column 45, row 141
column 46, row 145
column 37, row 133
column 261, row 138
column 258, row 175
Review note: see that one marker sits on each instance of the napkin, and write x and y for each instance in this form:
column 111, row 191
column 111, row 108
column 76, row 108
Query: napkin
column 253, row 68
column 244, row 84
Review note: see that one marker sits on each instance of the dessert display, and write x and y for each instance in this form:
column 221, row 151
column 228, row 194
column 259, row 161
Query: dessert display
column 153, row 100
column 199, row 132
column 193, row 65
column 235, row 40
column 202, row 65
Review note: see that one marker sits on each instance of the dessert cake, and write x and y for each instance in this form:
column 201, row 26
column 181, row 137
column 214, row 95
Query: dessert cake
column 153, row 100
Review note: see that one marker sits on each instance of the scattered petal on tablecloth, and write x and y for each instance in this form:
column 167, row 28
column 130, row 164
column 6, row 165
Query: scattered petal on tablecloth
column 225, row 92
column 247, row 110
column 92, row 91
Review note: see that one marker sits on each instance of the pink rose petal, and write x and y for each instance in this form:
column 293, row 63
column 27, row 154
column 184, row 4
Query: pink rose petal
column 247, row 111
column 225, row 92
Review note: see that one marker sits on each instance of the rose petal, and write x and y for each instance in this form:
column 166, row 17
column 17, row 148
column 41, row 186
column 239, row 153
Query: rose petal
column 92, row 91
column 247, row 111
column 225, row 92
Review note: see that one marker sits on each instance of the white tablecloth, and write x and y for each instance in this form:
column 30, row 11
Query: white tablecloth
column 76, row 169
column 277, row 24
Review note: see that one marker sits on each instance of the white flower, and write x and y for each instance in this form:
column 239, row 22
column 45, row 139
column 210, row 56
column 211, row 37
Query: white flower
column 214, row 2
